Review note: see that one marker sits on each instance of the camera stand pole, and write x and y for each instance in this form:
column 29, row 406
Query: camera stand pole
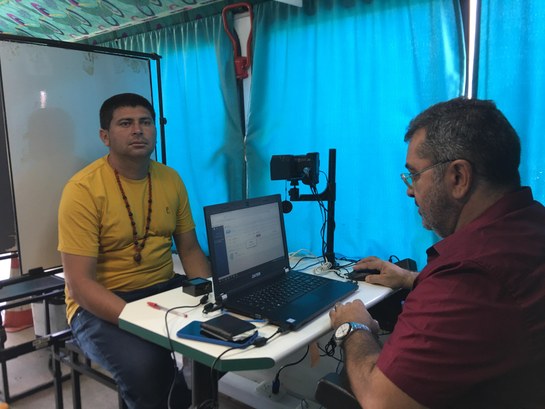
column 329, row 195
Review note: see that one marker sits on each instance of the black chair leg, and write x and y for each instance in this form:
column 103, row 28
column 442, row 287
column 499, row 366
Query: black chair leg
column 57, row 376
column 76, row 387
column 333, row 392
column 82, row 365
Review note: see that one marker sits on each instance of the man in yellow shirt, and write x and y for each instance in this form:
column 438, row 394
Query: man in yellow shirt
column 117, row 219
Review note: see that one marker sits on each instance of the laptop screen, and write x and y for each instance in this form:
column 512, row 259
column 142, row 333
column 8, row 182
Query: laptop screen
column 246, row 240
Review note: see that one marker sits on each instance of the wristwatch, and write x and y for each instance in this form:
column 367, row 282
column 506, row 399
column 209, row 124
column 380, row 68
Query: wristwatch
column 347, row 329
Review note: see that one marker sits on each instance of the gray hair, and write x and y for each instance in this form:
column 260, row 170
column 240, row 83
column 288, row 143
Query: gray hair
column 474, row 130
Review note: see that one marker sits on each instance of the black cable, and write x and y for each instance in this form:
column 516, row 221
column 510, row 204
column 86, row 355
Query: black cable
column 392, row 257
column 323, row 214
column 211, row 307
column 349, row 259
column 276, row 381
column 304, row 258
column 338, row 274
column 310, row 265
column 171, row 345
column 329, row 350
column 213, row 403
column 278, row 331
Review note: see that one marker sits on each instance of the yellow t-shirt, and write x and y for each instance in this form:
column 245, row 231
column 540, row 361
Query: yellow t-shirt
column 94, row 222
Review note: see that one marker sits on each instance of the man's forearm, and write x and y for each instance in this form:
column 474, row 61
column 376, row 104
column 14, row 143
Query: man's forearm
column 101, row 302
column 195, row 264
column 361, row 351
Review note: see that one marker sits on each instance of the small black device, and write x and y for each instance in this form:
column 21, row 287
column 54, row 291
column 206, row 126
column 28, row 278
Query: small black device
column 407, row 264
column 359, row 275
column 228, row 328
column 194, row 332
column 197, row 287
column 296, row 167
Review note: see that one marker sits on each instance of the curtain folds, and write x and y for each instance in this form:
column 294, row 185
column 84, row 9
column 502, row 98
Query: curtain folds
column 350, row 76
column 204, row 141
column 339, row 74
column 511, row 67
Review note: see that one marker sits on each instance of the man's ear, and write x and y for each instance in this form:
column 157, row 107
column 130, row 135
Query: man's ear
column 104, row 137
column 460, row 177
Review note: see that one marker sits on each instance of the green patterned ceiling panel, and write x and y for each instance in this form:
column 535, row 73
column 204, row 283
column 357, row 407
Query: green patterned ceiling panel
column 71, row 20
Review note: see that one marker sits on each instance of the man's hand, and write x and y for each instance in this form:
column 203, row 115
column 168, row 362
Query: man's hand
column 361, row 351
column 353, row 311
column 390, row 275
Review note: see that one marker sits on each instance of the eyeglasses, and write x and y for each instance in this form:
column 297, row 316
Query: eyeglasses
column 409, row 177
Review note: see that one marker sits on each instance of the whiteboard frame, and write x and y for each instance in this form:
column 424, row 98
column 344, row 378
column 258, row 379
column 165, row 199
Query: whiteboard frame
column 87, row 56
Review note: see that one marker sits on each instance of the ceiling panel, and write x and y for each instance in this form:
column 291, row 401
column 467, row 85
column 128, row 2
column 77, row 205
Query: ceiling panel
column 71, row 20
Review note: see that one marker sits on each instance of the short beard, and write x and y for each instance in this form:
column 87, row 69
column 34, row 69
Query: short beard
column 442, row 212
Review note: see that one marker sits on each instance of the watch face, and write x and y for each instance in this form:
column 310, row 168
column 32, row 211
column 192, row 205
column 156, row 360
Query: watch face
column 342, row 331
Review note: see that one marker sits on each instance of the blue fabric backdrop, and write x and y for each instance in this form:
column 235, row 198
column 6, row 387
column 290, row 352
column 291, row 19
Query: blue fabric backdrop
column 204, row 140
column 333, row 74
column 351, row 78
column 512, row 73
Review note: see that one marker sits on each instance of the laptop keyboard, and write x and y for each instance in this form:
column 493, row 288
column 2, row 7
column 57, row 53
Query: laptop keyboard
column 282, row 292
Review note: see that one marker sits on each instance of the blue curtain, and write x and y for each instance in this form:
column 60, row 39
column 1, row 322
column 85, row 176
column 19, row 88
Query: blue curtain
column 350, row 75
column 204, row 141
column 512, row 73
column 339, row 74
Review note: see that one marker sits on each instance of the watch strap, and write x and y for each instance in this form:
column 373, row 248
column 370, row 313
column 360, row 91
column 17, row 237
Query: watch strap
column 354, row 326
column 357, row 326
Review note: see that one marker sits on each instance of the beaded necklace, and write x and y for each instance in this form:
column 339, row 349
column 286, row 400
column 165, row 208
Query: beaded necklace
column 137, row 246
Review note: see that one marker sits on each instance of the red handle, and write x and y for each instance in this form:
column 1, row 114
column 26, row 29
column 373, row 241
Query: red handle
column 242, row 64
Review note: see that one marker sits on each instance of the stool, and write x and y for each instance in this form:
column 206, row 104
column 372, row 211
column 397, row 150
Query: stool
column 71, row 355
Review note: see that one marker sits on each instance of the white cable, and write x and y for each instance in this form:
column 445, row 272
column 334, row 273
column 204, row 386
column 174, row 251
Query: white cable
column 305, row 252
column 324, row 268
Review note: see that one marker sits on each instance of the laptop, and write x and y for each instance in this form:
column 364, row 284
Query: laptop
column 249, row 258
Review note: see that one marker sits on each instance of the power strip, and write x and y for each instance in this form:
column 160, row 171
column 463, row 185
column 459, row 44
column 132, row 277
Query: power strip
column 256, row 394
column 265, row 389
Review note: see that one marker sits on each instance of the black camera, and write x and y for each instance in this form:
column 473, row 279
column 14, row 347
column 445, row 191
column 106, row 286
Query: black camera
column 296, row 167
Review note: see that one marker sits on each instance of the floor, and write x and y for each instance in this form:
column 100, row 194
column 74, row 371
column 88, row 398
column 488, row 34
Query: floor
column 33, row 369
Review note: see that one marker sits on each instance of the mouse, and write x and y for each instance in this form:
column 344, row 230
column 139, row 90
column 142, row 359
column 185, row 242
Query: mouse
column 359, row 275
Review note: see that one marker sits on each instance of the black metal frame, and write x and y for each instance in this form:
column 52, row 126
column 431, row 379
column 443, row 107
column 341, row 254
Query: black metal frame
column 329, row 195
column 67, row 352
column 24, row 292
column 96, row 49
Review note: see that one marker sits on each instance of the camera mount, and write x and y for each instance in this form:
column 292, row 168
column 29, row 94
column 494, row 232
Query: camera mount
column 306, row 168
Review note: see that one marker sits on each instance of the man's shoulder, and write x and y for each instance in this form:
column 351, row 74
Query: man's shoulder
column 164, row 171
column 90, row 171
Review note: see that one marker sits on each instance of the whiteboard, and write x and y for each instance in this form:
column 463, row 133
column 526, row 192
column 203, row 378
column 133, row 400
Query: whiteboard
column 7, row 211
column 51, row 98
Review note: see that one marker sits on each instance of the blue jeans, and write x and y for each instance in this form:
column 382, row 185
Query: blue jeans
column 143, row 371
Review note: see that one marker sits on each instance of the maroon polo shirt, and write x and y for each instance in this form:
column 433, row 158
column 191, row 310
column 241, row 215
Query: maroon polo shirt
column 472, row 330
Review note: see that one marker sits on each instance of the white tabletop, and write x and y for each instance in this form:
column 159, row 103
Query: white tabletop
column 149, row 323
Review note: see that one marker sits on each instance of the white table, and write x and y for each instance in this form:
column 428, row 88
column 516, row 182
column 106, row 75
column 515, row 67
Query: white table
column 142, row 320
